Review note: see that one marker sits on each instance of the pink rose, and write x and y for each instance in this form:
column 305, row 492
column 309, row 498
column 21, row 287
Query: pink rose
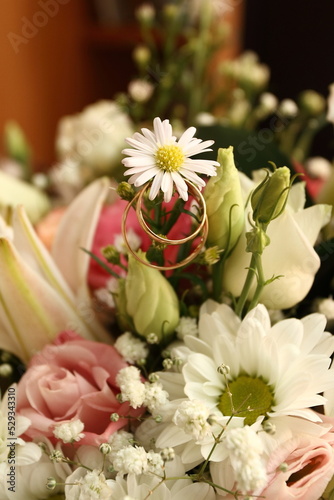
column 75, row 378
column 310, row 463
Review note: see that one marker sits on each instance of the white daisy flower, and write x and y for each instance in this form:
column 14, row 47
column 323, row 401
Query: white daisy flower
column 274, row 371
column 159, row 156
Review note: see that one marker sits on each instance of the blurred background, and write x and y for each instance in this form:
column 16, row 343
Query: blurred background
column 58, row 56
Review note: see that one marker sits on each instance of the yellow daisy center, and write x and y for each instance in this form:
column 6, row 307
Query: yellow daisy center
column 169, row 158
column 251, row 397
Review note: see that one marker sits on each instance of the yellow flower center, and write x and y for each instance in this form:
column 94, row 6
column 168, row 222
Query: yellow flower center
column 251, row 397
column 169, row 158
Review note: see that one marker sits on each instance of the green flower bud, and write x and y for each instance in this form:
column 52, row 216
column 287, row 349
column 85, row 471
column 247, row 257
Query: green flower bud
column 125, row 191
column 151, row 301
column 269, row 198
column 225, row 206
column 111, row 254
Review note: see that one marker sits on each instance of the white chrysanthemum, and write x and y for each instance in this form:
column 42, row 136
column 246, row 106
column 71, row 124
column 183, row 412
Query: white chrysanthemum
column 131, row 348
column 132, row 389
column 186, row 326
column 68, row 432
column 274, row 371
column 159, row 156
column 87, row 485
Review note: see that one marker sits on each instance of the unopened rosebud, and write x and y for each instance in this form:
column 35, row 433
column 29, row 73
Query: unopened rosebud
column 225, row 206
column 151, row 301
column 269, row 197
column 51, row 483
column 269, row 428
column 125, row 191
column 105, row 448
column 111, row 254
column 312, row 102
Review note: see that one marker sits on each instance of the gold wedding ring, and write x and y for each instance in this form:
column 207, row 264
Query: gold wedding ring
column 201, row 228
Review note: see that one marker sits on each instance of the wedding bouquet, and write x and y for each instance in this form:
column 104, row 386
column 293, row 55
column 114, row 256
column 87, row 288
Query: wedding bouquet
column 157, row 350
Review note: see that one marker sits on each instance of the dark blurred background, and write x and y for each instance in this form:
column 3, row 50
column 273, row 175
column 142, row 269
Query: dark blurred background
column 57, row 56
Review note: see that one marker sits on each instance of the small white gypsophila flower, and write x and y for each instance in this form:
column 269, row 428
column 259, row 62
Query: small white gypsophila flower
column 131, row 460
column 131, row 348
column 132, row 389
column 186, row 326
column 155, row 463
column 155, row 397
column 159, row 156
column 326, row 307
column 87, row 485
column 245, row 449
column 69, row 432
column 133, row 239
column 140, row 90
column 330, row 104
column 192, row 417
column 118, row 440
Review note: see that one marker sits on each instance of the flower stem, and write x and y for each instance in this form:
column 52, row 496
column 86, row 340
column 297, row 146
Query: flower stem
column 260, row 281
column 246, row 288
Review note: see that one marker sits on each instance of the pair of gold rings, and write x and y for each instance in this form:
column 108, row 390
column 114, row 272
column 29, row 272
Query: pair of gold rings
column 202, row 227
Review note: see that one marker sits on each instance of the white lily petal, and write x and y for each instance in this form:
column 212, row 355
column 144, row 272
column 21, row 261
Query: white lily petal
column 41, row 309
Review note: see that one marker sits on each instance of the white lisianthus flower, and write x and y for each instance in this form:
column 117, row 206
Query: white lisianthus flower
column 159, row 156
column 290, row 253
